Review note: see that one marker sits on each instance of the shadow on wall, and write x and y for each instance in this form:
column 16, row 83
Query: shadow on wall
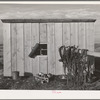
column 97, row 65
column 97, row 47
column 26, row 74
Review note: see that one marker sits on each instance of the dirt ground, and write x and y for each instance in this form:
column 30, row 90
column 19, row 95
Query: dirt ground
column 56, row 83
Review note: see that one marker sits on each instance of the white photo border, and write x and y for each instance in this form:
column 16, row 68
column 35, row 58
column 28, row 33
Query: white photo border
column 49, row 94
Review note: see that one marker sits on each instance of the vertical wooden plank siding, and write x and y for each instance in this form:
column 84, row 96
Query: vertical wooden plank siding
column 19, row 38
column 7, row 49
column 82, row 35
column 51, row 48
column 66, row 37
column 72, row 33
column 90, row 43
column 43, row 40
column 20, row 49
column 85, row 35
column 34, row 40
column 28, row 60
column 14, row 46
column 86, row 31
column 76, row 34
column 90, row 36
column 66, row 34
column 43, row 33
column 93, row 36
column 58, row 43
column 43, row 64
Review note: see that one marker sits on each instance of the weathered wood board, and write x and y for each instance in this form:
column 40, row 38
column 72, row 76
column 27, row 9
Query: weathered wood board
column 76, row 34
column 43, row 33
column 90, row 36
column 72, row 34
column 43, row 40
column 66, row 34
column 7, row 50
column 14, row 46
column 34, row 40
column 58, row 43
column 20, row 49
column 51, row 48
column 66, row 37
column 43, row 64
column 82, row 35
column 27, row 46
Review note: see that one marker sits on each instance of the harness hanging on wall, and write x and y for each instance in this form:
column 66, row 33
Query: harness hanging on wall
column 38, row 49
column 35, row 51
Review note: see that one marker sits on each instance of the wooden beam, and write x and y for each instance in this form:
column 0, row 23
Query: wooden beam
column 45, row 20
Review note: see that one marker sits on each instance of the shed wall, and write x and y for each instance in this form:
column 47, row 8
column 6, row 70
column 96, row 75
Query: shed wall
column 19, row 38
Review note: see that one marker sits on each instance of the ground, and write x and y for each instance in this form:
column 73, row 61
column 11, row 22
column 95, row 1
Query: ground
column 30, row 83
column 56, row 83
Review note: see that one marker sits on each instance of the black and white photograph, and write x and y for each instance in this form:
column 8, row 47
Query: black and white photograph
column 50, row 47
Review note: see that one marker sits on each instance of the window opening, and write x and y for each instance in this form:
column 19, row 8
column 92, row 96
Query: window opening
column 38, row 49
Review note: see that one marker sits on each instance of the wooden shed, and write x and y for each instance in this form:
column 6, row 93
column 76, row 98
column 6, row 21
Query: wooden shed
column 21, row 35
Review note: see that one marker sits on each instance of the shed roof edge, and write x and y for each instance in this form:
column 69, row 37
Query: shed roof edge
column 45, row 20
